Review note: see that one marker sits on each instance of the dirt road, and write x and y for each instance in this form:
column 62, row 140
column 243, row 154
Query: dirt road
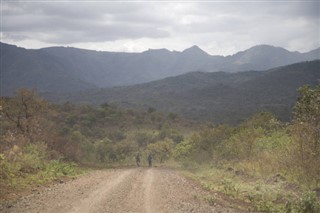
column 119, row 190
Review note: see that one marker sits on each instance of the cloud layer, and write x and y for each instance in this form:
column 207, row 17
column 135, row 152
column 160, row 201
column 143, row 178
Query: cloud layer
column 218, row 27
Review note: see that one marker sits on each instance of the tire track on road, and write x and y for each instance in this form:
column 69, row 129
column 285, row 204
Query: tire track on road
column 135, row 190
column 94, row 200
column 147, row 183
column 134, row 202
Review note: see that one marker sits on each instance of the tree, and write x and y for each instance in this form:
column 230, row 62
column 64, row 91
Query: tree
column 211, row 140
column 103, row 149
column 124, row 149
column 307, row 108
column 143, row 138
column 265, row 120
column 161, row 149
column 307, row 113
column 306, row 130
column 243, row 144
column 183, row 150
column 24, row 112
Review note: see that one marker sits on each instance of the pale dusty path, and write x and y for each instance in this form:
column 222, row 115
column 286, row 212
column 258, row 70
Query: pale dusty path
column 140, row 190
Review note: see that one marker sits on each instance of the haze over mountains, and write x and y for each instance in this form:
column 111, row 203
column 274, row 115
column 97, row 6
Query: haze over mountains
column 219, row 97
column 61, row 69
column 190, row 83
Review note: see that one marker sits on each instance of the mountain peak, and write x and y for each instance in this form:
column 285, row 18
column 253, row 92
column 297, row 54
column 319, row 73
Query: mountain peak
column 194, row 50
column 262, row 50
column 265, row 47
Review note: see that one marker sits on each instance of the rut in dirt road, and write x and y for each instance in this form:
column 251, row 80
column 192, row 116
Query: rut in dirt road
column 97, row 198
column 120, row 190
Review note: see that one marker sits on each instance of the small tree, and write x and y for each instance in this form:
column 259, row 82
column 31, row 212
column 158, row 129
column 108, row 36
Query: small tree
column 307, row 108
column 103, row 149
column 161, row 149
column 243, row 144
column 307, row 113
column 306, row 130
column 25, row 112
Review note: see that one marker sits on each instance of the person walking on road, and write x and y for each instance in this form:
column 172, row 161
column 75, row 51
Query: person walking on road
column 138, row 159
column 150, row 160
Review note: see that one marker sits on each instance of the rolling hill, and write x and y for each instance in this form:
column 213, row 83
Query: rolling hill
column 66, row 69
column 219, row 96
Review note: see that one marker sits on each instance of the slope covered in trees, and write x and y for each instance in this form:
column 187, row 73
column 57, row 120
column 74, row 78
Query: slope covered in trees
column 64, row 69
column 276, row 162
column 218, row 97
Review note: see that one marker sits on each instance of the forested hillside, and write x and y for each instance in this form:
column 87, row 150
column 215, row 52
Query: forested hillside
column 66, row 69
column 264, row 162
column 218, row 97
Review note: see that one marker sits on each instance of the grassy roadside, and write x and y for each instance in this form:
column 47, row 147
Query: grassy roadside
column 20, row 182
column 236, row 189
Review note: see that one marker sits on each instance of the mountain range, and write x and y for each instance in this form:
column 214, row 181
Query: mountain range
column 214, row 96
column 66, row 69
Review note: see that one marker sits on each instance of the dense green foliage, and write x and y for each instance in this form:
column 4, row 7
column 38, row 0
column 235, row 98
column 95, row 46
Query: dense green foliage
column 26, row 136
column 42, row 142
column 265, row 144
column 109, row 135
column 218, row 97
column 284, row 157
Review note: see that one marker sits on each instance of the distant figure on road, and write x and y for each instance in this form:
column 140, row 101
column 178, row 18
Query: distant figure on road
column 150, row 160
column 138, row 159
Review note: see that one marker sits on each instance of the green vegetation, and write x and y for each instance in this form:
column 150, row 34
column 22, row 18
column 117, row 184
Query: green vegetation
column 41, row 142
column 218, row 97
column 268, row 165
column 26, row 158
column 262, row 164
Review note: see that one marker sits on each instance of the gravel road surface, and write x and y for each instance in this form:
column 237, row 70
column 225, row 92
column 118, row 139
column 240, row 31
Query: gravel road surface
column 143, row 190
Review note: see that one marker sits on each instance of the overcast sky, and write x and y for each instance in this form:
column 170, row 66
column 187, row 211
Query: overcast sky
column 219, row 28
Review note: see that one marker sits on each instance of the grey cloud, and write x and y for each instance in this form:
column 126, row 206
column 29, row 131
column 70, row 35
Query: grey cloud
column 281, row 23
column 109, row 33
column 70, row 24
